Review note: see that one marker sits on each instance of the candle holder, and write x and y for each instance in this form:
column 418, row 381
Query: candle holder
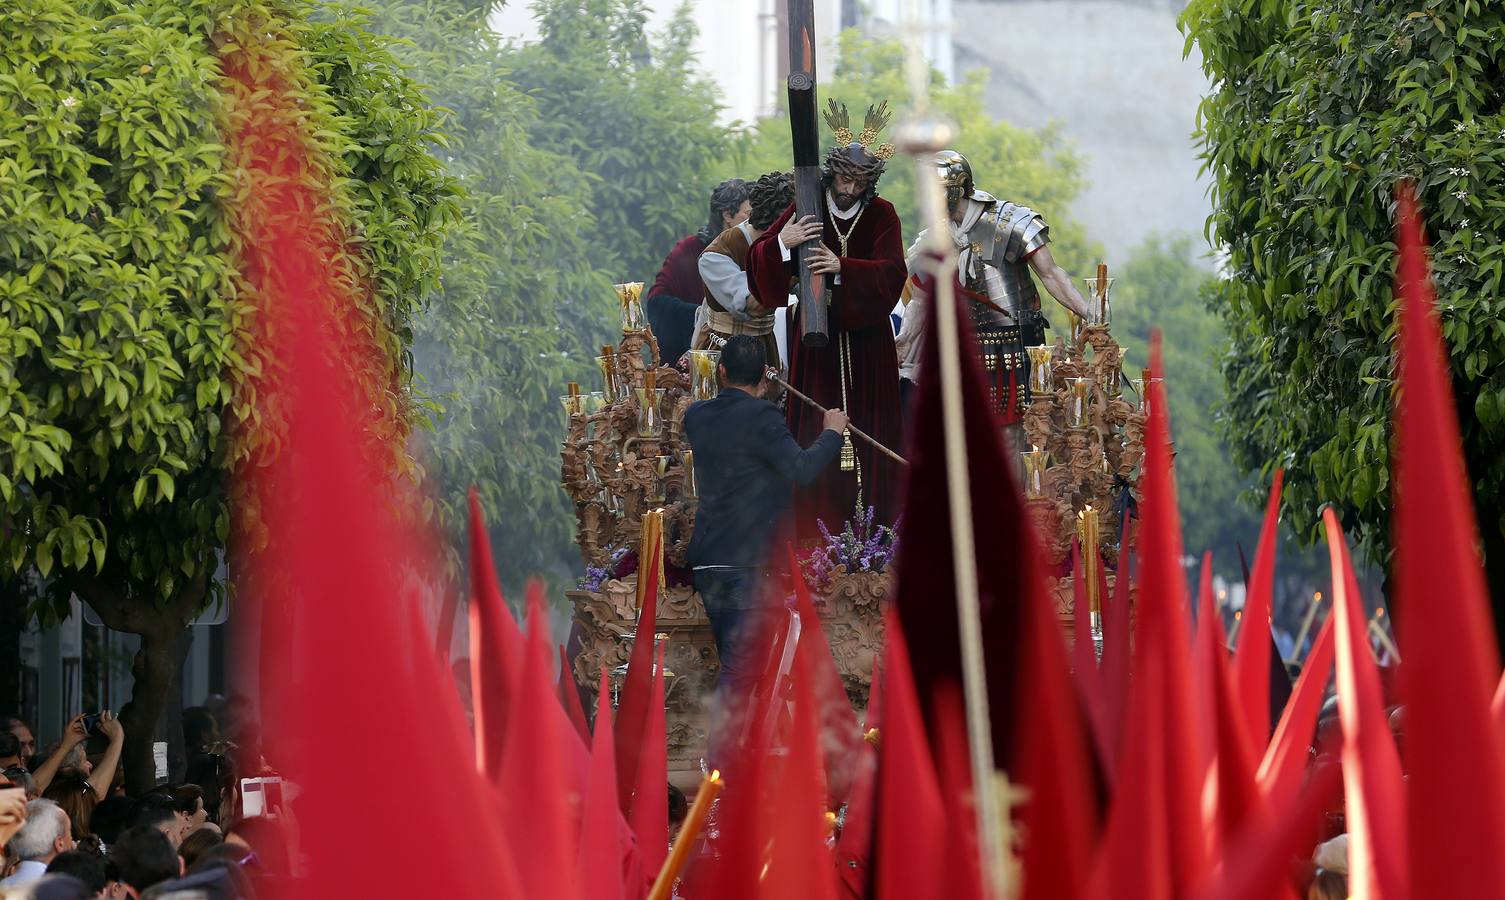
column 1099, row 307
column 574, row 404
column 660, row 470
column 630, row 295
column 1034, row 473
column 650, row 421
column 703, row 365
column 1074, row 328
column 611, row 385
column 1078, row 394
column 1040, row 369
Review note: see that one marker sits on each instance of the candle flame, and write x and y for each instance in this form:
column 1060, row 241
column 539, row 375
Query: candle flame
column 1317, row 597
column 1379, row 613
column 1238, row 615
column 715, row 776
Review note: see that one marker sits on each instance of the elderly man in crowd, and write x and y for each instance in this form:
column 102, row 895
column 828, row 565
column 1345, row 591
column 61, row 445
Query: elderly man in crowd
column 47, row 833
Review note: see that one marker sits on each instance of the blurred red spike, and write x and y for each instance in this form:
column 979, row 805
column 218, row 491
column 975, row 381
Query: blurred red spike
column 1371, row 766
column 1455, row 753
column 1117, row 652
column 569, row 697
column 1133, row 859
column 910, row 853
column 598, row 861
column 1209, row 652
column 496, row 649
column 1261, row 867
column 840, row 738
column 1237, row 801
column 1284, row 764
column 1251, row 662
column 543, row 804
column 650, row 802
column 799, row 865
column 962, row 867
column 1161, row 629
column 633, row 701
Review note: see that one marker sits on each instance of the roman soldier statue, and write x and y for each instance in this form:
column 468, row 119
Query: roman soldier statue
column 998, row 244
column 859, row 246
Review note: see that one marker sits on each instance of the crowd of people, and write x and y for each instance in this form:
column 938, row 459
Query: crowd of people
column 72, row 827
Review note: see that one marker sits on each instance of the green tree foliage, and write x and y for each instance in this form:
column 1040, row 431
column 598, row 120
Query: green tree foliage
column 120, row 294
column 635, row 117
column 1036, row 168
column 526, row 301
column 1318, row 108
column 1166, row 285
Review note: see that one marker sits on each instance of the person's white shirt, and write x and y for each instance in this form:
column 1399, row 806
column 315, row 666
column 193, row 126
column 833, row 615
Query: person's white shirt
column 27, row 871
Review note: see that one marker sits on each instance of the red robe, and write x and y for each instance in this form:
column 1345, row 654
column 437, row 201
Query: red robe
column 872, row 275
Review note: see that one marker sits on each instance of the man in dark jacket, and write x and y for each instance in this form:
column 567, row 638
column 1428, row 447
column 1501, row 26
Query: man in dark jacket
column 746, row 467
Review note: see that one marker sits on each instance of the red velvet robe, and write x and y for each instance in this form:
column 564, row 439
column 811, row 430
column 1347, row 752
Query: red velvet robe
column 872, row 275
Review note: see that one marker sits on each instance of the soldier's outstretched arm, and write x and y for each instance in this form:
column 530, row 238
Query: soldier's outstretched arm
column 1057, row 282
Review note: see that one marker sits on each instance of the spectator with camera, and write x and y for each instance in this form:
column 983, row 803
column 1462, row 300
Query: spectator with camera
column 100, row 777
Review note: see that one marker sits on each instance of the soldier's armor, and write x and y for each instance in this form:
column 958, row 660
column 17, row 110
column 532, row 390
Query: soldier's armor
column 1004, row 238
column 1001, row 243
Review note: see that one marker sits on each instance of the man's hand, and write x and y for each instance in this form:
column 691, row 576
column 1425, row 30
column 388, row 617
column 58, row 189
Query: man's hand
column 110, row 727
column 822, row 261
column 12, row 812
column 795, row 233
column 75, row 733
column 835, row 420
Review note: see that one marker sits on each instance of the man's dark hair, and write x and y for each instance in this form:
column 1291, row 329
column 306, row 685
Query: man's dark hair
column 112, row 815
column 143, row 857
column 679, row 808
column 86, row 867
column 726, row 198
column 214, row 773
column 770, row 195
column 10, row 745
column 187, row 797
column 153, row 809
column 198, row 727
column 743, row 357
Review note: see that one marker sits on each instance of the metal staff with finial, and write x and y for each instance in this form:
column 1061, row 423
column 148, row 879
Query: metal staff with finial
column 921, row 137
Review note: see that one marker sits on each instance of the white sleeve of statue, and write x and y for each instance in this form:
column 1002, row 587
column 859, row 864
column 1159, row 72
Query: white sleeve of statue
column 726, row 281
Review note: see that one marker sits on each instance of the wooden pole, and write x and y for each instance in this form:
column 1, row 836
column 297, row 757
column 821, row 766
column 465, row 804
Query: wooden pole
column 850, row 427
column 805, row 135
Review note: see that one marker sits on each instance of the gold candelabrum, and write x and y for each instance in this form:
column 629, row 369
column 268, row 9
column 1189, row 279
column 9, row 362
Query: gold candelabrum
column 624, row 452
column 1085, row 438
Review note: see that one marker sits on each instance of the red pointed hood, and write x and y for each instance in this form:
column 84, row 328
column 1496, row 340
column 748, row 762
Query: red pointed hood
column 1456, row 760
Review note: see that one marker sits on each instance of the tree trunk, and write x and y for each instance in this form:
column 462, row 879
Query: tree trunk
column 155, row 667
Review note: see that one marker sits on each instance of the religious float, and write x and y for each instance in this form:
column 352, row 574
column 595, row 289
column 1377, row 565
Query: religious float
column 630, row 476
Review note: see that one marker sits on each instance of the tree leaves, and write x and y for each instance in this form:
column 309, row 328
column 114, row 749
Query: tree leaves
column 1319, row 107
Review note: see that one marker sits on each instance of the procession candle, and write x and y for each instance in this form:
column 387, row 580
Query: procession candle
column 1382, row 635
column 1078, row 388
column 689, row 832
column 608, row 361
column 632, row 307
column 1034, row 473
column 687, row 459
column 1087, row 530
column 1306, row 622
column 1039, row 369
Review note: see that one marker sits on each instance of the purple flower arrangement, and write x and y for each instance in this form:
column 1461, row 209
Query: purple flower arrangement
column 595, row 576
column 861, row 546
